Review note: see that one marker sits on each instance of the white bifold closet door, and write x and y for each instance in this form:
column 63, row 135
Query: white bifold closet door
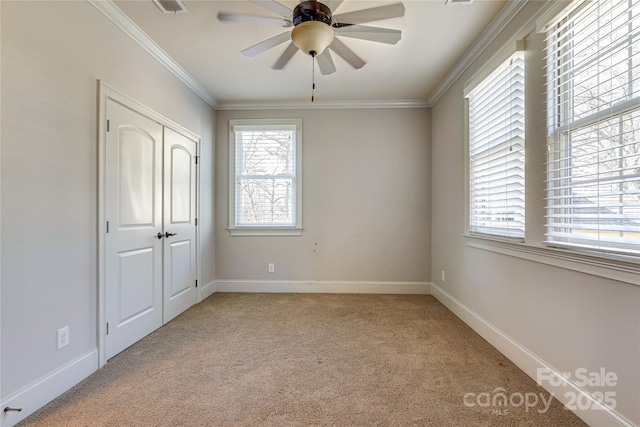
column 151, row 238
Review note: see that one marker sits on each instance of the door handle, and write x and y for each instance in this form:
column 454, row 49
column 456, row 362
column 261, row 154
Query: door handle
column 159, row 235
column 167, row 234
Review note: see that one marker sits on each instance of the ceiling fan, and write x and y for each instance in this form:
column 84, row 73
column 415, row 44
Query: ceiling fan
column 314, row 27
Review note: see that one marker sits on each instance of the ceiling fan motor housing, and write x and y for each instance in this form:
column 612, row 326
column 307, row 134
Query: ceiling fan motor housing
column 311, row 11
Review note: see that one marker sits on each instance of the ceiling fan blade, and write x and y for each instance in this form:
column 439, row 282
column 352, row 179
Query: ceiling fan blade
column 369, row 15
column 334, row 5
column 273, row 6
column 267, row 44
column 347, row 54
column 374, row 34
column 325, row 63
column 285, row 57
column 253, row 19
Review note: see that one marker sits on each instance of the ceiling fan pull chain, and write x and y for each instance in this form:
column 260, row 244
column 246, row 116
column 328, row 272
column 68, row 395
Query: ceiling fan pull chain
column 313, row 75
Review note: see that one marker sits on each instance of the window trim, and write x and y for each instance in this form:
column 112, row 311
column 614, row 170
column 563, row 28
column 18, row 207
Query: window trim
column 265, row 230
column 620, row 268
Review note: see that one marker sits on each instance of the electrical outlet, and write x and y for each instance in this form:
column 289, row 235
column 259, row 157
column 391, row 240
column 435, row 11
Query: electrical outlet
column 272, row 267
column 63, row 337
column 442, row 274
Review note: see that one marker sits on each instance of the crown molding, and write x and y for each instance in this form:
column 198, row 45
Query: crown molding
column 118, row 17
column 321, row 105
column 506, row 14
column 115, row 14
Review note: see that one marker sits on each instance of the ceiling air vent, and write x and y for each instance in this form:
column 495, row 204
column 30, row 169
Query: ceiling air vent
column 453, row 2
column 171, row 6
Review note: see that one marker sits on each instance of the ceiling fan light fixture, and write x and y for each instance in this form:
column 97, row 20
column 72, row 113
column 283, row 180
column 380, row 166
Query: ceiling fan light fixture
column 312, row 37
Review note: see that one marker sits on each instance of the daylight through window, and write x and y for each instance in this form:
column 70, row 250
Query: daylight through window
column 496, row 152
column 265, row 174
column 593, row 172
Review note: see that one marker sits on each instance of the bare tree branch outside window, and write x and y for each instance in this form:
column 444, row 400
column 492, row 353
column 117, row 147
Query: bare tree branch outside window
column 265, row 178
column 594, row 165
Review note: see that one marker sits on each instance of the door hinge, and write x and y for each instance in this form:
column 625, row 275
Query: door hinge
column 107, row 226
column 196, row 283
column 107, row 328
column 107, row 125
column 196, row 222
column 197, row 157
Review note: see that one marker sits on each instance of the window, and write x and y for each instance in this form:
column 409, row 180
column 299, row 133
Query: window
column 496, row 151
column 264, row 177
column 593, row 115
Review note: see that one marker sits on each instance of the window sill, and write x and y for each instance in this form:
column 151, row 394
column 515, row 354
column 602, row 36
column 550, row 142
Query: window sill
column 289, row 231
column 610, row 267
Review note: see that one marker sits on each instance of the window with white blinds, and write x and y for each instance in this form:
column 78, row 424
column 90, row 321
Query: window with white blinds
column 265, row 174
column 496, row 151
column 593, row 112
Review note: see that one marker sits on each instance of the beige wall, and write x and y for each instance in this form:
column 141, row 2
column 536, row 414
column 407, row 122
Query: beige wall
column 52, row 55
column 568, row 319
column 383, row 200
column 366, row 202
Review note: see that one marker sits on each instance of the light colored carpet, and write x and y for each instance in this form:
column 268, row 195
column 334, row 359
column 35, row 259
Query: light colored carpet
column 305, row 359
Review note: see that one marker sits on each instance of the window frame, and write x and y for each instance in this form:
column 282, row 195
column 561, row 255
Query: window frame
column 623, row 269
column 478, row 79
column 265, row 230
column 560, row 126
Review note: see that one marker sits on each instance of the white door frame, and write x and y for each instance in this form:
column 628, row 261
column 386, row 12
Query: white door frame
column 106, row 93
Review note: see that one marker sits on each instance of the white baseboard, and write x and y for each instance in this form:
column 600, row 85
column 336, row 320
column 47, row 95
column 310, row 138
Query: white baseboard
column 47, row 388
column 206, row 291
column 597, row 415
column 328, row 287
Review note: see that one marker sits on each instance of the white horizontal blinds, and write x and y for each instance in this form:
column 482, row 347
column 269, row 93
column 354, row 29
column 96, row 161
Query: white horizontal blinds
column 593, row 170
column 265, row 176
column 496, row 152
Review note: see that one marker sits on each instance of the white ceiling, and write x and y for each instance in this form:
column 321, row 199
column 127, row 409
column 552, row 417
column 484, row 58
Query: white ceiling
column 434, row 38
